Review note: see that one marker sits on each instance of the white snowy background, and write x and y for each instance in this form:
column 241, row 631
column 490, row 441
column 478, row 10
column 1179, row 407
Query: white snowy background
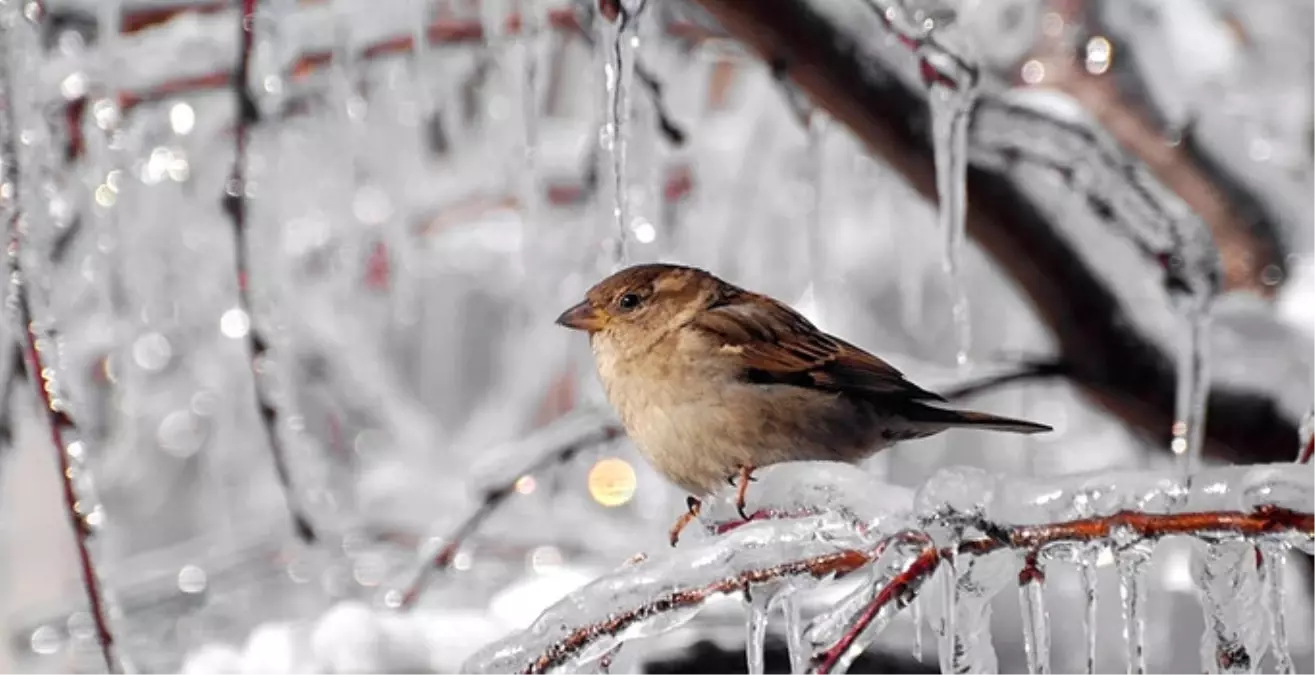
column 408, row 255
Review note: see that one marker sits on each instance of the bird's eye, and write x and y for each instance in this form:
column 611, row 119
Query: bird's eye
column 628, row 301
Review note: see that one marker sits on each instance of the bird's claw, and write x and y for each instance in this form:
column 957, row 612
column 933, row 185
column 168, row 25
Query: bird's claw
column 693, row 505
column 746, row 477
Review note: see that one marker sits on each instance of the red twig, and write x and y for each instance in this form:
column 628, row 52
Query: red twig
column 57, row 420
column 902, row 588
column 493, row 499
column 840, row 562
column 235, row 204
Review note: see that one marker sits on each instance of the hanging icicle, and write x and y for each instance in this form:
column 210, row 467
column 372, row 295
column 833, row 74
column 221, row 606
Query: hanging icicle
column 1036, row 621
column 1131, row 562
column 1087, row 571
column 619, row 40
column 1273, row 560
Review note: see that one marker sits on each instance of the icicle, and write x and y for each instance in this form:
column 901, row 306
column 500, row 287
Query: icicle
column 969, row 648
column 756, row 635
column 621, row 41
column 1232, row 601
column 1130, row 562
column 1306, row 436
column 945, row 647
column 951, row 104
column 1273, row 560
column 1087, row 570
column 532, row 22
column 794, row 635
column 916, row 612
column 1193, row 387
column 809, row 303
column 1036, row 625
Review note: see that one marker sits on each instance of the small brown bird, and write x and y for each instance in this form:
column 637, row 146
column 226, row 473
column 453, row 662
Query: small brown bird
column 711, row 381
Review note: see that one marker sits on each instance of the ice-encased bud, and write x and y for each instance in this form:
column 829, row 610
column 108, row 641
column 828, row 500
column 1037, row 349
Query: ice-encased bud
column 956, row 496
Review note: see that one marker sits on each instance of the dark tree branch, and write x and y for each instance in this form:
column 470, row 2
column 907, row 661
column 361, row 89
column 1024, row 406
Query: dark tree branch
column 235, row 205
column 1106, row 355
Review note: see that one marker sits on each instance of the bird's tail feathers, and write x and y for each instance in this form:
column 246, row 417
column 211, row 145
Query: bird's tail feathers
column 975, row 420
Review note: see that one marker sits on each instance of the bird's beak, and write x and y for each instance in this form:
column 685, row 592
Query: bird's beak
column 583, row 317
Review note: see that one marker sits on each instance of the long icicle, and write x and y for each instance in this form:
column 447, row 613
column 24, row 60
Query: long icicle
column 915, row 613
column 755, row 643
column 1132, row 591
column 1036, row 621
column 794, row 634
column 951, row 102
column 1273, row 559
column 621, row 43
column 1192, row 388
column 1087, row 575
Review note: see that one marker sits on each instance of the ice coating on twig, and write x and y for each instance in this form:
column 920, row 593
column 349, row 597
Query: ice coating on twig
column 658, row 594
column 839, row 493
column 1235, row 621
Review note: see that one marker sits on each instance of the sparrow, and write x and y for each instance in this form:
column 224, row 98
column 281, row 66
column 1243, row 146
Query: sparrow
column 712, row 381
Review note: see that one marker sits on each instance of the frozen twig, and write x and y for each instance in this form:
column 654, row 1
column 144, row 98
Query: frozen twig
column 495, row 496
column 902, row 587
column 1264, row 520
column 1036, row 370
column 235, row 205
column 58, row 423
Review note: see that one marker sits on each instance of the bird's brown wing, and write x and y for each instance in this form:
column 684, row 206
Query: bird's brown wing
column 779, row 346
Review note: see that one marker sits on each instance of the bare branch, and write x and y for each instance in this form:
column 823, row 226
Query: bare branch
column 495, row 497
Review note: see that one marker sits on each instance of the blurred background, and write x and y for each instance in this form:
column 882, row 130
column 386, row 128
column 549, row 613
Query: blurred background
column 341, row 240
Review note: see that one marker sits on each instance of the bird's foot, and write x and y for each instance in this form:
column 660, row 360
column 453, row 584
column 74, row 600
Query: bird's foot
column 746, row 477
column 686, row 518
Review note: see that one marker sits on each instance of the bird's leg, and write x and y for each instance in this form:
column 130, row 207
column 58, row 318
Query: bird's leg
column 686, row 518
column 746, row 476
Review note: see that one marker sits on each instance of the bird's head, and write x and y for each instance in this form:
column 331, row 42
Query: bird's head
column 643, row 299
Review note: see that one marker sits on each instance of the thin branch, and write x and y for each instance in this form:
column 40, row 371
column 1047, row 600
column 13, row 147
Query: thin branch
column 1030, row 371
column 235, row 205
column 494, row 498
column 58, row 422
column 820, row 567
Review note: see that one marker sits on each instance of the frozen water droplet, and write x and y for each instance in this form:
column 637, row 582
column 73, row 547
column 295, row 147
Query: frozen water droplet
column 191, row 579
column 956, row 493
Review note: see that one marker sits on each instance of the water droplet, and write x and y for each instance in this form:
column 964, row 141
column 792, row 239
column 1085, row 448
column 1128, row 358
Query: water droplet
column 46, row 640
column 182, row 118
column 152, row 352
column 191, row 579
column 235, row 323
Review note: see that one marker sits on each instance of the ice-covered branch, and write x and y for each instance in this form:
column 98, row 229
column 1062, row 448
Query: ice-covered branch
column 988, row 532
column 827, row 51
column 235, row 205
column 549, row 447
column 36, row 350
